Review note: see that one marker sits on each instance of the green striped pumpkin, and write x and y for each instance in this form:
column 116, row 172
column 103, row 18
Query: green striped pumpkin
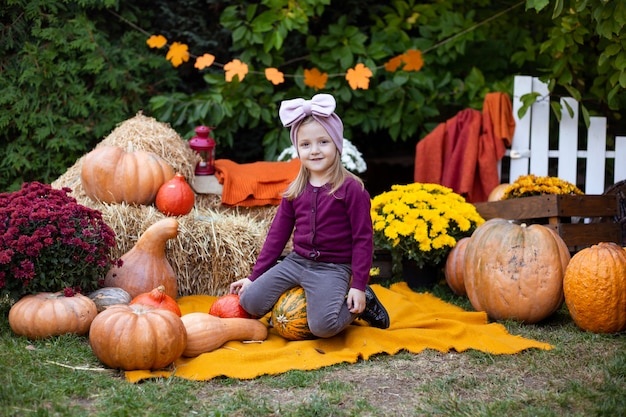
column 289, row 315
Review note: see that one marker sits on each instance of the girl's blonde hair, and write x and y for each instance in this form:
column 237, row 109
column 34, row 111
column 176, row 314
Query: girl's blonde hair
column 338, row 175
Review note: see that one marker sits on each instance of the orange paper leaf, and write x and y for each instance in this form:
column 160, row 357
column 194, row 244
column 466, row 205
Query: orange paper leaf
column 394, row 63
column 315, row 79
column 359, row 77
column 413, row 60
column 204, row 61
column 235, row 67
column 156, row 41
column 177, row 54
column 275, row 76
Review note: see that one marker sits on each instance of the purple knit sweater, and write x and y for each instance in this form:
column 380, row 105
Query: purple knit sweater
column 328, row 228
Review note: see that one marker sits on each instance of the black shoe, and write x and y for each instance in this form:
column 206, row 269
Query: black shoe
column 375, row 313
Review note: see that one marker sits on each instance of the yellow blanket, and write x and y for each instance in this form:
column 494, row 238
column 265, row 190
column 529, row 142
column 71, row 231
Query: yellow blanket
column 418, row 321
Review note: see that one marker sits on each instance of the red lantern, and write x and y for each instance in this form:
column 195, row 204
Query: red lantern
column 204, row 145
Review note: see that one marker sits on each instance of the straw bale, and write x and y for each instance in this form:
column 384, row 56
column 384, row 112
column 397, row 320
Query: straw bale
column 215, row 246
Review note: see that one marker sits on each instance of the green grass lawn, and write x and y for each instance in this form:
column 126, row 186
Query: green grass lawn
column 585, row 375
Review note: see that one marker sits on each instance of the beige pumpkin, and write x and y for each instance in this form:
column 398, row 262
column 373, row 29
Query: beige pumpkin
column 515, row 271
column 46, row 314
column 145, row 266
column 498, row 192
column 595, row 288
column 112, row 174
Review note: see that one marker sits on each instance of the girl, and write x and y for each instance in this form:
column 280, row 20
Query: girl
column 332, row 243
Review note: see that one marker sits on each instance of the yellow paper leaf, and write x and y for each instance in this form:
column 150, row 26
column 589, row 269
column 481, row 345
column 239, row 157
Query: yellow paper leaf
column 156, row 41
column 177, row 54
column 204, row 61
column 235, row 67
column 394, row 63
column 315, row 79
column 413, row 60
column 359, row 77
column 275, row 76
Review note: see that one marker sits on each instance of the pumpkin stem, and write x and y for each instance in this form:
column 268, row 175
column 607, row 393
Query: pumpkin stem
column 154, row 238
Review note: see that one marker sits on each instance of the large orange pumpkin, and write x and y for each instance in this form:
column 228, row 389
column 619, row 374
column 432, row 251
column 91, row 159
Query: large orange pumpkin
column 133, row 337
column 595, row 288
column 455, row 264
column 289, row 315
column 515, row 271
column 113, row 175
column 38, row 316
column 175, row 197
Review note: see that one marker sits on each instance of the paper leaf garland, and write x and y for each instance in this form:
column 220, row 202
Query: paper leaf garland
column 156, row 41
column 315, row 79
column 177, row 54
column 275, row 76
column 204, row 61
column 235, row 67
column 359, row 77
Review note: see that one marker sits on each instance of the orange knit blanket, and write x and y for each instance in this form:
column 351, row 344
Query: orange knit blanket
column 254, row 184
column 418, row 321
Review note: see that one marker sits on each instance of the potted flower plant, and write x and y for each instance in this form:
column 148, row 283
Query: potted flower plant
column 421, row 223
column 49, row 242
column 530, row 185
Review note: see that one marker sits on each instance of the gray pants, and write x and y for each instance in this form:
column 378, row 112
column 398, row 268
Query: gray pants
column 325, row 285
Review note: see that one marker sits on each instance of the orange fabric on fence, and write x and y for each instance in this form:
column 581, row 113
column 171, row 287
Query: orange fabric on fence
column 418, row 321
column 463, row 152
column 254, row 184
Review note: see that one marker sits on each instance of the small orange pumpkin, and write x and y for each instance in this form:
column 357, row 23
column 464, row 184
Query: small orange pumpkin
column 38, row 316
column 515, row 271
column 113, row 175
column 227, row 306
column 498, row 192
column 595, row 288
column 454, row 267
column 159, row 299
column 175, row 197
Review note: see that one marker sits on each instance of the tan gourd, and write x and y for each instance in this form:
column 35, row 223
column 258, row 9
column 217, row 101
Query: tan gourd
column 206, row 332
column 134, row 337
column 145, row 266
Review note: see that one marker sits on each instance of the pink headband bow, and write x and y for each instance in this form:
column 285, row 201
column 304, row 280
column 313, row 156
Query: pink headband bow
column 321, row 107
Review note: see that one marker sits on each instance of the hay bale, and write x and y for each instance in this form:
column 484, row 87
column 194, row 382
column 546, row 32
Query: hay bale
column 215, row 246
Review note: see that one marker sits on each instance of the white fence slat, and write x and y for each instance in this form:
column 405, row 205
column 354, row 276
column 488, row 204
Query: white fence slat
column 519, row 154
column 620, row 159
column 539, row 133
column 596, row 156
column 568, row 141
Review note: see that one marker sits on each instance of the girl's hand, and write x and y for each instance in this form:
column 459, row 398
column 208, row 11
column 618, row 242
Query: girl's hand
column 356, row 301
column 238, row 287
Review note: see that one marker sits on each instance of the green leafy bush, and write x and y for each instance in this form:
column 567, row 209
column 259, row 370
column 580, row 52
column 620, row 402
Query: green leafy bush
column 70, row 71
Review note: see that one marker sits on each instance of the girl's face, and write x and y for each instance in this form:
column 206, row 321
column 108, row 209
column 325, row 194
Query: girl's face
column 316, row 149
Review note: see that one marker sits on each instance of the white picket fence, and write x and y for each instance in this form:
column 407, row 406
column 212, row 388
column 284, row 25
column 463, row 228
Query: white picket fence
column 530, row 153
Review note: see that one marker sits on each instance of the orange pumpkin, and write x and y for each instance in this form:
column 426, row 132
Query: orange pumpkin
column 134, row 337
column 498, row 192
column 227, row 306
column 595, row 288
column 159, row 299
column 515, row 271
column 454, row 267
column 38, row 316
column 113, row 175
column 175, row 197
